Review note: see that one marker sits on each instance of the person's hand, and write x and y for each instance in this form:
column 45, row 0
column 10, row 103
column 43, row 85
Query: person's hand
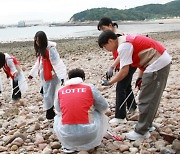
column 62, row 82
column 117, row 69
column 138, row 83
column 109, row 73
column 105, row 83
column 15, row 74
column 30, row 77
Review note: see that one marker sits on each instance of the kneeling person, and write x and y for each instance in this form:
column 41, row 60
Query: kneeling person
column 80, row 123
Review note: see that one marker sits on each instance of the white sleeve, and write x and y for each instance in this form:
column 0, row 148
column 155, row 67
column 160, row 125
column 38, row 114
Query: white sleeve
column 34, row 70
column 100, row 103
column 125, row 51
column 56, row 102
column 57, row 63
column 12, row 66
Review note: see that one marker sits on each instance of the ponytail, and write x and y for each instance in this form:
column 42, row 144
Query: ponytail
column 115, row 25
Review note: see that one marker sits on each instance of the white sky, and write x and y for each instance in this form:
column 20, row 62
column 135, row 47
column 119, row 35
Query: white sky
column 12, row 11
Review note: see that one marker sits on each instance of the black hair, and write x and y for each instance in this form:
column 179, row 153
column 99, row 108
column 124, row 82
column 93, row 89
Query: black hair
column 77, row 72
column 105, row 36
column 106, row 22
column 2, row 59
column 43, row 42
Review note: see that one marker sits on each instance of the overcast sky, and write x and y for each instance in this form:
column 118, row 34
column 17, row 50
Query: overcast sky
column 12, row 11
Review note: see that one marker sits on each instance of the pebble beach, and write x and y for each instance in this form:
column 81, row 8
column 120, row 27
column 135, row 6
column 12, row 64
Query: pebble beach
column 25, row 130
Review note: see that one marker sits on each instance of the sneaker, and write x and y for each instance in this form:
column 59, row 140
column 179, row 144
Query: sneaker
column 67, row 150
column 116, row 121
column 134, row 136
column 152, row 128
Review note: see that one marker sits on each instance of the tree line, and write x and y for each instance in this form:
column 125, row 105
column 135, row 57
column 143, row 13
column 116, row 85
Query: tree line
column 150, row 11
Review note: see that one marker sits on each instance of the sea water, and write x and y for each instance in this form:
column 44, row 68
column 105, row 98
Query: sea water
column 11, row 34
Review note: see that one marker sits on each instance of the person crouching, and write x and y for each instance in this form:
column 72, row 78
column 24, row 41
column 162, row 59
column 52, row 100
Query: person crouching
column 80, row 123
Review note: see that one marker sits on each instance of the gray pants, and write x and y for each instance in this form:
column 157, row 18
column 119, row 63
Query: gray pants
column 49, row 90
column 151, row 91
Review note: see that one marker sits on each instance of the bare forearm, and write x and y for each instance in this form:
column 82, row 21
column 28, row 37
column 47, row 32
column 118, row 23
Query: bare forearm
column 140, row 73
column 116, row 62
column 121, row 75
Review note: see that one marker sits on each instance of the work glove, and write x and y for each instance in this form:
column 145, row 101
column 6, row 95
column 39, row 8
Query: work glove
column 30, row 77
column 117, row 69
column 105, row 83
column 138, row 83
column 62, row 82
column 109, row 73
column 0, row 92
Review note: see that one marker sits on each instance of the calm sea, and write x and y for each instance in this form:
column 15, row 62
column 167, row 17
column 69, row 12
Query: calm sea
column 27, row 33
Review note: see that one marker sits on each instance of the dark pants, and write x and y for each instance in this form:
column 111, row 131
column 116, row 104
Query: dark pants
column 14, row 95
column 123, row 89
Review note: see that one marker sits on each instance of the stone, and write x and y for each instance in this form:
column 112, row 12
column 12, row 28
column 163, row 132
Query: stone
column 123, row 148
column 14, row 147
column 55, row 145
column 47, row 150
column 176, row 145
column 3, row 149
column 167, row 151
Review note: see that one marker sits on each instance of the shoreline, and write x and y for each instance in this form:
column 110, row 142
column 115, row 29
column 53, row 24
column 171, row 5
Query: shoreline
column 94, row 23
column 10, row 35
column 87, row 37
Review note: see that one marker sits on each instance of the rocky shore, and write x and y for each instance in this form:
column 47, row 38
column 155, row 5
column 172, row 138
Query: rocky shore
column 24, row 129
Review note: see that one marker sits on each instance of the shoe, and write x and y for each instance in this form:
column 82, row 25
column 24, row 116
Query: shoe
column 152, row 128
column 134, row 136
column 67, row 150
column 50, row 114
column 116, row 121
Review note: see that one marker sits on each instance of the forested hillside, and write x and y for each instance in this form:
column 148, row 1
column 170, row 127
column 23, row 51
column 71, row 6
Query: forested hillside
column 150, row 11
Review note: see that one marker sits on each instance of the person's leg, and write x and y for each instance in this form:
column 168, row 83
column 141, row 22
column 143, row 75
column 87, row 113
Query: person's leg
column 16, row 95
column 131, row 102
column 152, row 88
column 120, row 97
column 48, row 94
column 122, row 93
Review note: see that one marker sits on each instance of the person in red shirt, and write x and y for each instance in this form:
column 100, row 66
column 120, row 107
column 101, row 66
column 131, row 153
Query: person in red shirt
column 80, row 123
column 154, row 63
column 51, row 69
column 13, row 71
column 123, row 88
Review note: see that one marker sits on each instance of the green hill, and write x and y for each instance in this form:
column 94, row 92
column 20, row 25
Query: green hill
column 150, row 11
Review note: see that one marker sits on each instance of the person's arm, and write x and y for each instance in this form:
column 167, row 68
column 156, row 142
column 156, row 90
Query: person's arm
column 57, row 63
column 34, row 70
column 109, row 73
column 139, row 79
column 120, row 75
column 140, row 73
column 116, row 62
column 100, row 103
column 125, row 51
column 56, row 102
column 12, row 67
